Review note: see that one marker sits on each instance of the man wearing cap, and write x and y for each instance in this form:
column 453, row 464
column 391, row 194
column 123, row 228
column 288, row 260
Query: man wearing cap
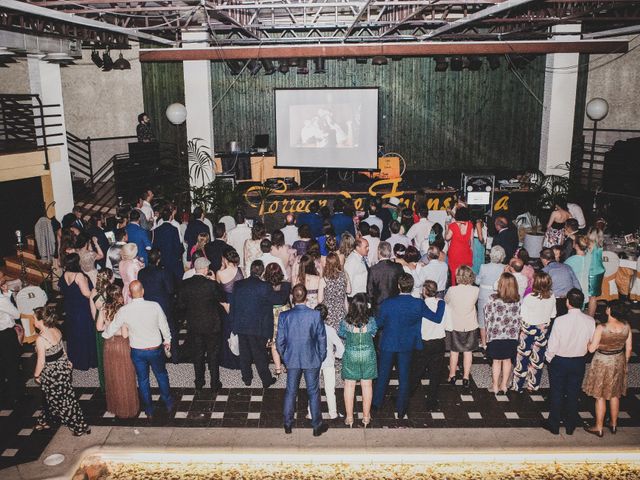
column 199, row 302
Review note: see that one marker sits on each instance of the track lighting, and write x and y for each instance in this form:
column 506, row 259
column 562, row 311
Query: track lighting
column 121, row 63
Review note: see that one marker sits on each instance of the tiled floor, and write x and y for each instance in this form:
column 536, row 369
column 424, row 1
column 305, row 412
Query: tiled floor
column 258, row 408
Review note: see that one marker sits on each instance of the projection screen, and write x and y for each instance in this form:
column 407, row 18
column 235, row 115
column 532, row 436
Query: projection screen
column 327, row 128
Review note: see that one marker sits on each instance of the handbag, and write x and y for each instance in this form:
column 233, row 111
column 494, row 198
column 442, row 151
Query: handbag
column 234, row 344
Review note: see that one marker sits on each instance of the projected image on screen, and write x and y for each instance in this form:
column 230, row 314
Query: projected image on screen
column 322, row 126
column 327, row 128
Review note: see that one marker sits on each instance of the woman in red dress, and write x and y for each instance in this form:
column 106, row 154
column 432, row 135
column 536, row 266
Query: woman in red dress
column 459, row 235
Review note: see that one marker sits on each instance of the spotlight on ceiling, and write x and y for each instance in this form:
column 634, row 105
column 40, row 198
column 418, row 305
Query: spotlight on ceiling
column 441, row 64
column 268, row 67
column 379, row 60
column 456, row 64
column 235, row 67
column 320, row 65
column 302, row 67
column 283, row 66
column 494, row 61
column 254, row 67
column 473, row 63
column 96, row 59
column 121, row 63
column 361, row 61
column 107, row 61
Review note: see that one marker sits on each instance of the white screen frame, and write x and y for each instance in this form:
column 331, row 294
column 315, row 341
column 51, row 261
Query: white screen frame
column 362, row 156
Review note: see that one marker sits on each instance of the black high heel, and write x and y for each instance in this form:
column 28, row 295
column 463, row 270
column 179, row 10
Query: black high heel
column 452, row 380
column 465, row 382
column 593, row 431
column 613, row 429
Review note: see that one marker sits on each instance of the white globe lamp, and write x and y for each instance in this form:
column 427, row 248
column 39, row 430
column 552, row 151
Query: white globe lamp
column 597, row 109
column 176, row 113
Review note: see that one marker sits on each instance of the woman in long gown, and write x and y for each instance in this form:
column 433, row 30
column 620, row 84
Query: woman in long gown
column 274, row 276
column 554, row 234
column 53, row 373
column 606, row 378
column 580, row 263
column 459, row 235
column 333, row 291
column 359, row 358
column 89, row 252
column 120, row 376
column 79, row 328
column 96, row 302
column 227, row 276
column 479, row 239
column 129, row 267
column 596, row 270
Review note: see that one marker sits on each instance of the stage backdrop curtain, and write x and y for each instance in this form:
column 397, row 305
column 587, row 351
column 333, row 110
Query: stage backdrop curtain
column 436, row 120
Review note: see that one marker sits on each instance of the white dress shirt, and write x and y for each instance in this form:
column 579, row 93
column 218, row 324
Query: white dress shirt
column 538, row 311
column 146, row 322
column 437, row 271
column 420, row 231
column 374, row 220
column 396, row 238
column 208, row 223
column 431, row 330
column 147, row 209
column 570, row 335
column 290, row 233
column 237, row 237
column 373, row 249
column 335, row 348
column 268, row 258
column 8, row 312
column 229, row 223
column 576, row 212
column 357, row 271
column 189, row 273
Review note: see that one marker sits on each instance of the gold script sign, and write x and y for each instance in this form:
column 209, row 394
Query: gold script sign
column 385, row 188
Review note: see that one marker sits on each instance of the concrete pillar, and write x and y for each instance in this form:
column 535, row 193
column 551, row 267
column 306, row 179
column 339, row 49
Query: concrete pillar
column 560, row 86
column 45, row 81
column 199, row 103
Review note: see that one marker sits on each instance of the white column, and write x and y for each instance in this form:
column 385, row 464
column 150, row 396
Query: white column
column 560, row 86
column 198, row 100
column 45, row 81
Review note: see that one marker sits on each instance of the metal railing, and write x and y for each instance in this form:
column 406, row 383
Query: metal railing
column 26, row 124
column 80, row 160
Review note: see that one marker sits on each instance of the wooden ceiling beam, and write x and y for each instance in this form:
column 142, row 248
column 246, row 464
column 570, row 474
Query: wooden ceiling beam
column 387, row 49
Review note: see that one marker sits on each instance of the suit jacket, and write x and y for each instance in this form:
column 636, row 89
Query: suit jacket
column 140, row 237
column 252, row 302
column 400, row 317
column 194, row 228
column 382, row 282
column 158, row 286
column 166, row 238
column 507, row 239
column 302, row 338
column 313, row 221
column 342, row 223
column 214, row 251
column 199, row 302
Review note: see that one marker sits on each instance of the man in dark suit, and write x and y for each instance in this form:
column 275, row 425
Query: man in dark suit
column 341, row 222
column 400, row 319
column 571, row 228
column 382, row 281
column 215, row 249
column 311, row 219
column 159, row 287
column 196, row 226
column 166, row 238
column 302, row 345
column 506, row 236
column 199, row 302
column 138, row 235
column 251, row 316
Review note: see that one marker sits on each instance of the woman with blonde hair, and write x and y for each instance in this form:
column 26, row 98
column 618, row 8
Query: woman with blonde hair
column 119, row 374
column 96, row 302
column 536, row 311
column 129, row 267
column 202, row 240
column 347, row 245
column 502, row 320
column 463, row 338
column 596, row 269
column 333, row 290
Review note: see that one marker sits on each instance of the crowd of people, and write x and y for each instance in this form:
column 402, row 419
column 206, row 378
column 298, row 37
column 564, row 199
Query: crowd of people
column 330, row 291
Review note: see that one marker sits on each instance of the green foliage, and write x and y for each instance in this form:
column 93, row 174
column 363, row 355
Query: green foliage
column 548, row 189
column 200, row 161
column 218, row 198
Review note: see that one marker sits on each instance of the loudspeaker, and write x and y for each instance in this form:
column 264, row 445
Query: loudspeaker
column 477, row 190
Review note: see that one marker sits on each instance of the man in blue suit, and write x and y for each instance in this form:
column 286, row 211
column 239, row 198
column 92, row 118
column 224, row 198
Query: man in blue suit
column 400, row 318
column 302, row 345
column 138, row 235
column 341, row 222
column 166, row 238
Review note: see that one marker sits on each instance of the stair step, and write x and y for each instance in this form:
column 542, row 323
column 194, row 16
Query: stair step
column 34, row 267
column 31, row 279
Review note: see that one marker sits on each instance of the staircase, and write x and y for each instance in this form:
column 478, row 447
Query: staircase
column 37, row 270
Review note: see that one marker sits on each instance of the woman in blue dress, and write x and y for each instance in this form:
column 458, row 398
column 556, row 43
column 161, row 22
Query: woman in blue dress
column 478, row 246
column 79, row 328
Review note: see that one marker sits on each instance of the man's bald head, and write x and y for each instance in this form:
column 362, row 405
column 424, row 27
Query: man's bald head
column 136, row 289
column 516, row 264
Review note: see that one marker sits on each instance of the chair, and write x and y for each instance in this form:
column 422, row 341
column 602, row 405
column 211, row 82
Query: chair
column 611, row 263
